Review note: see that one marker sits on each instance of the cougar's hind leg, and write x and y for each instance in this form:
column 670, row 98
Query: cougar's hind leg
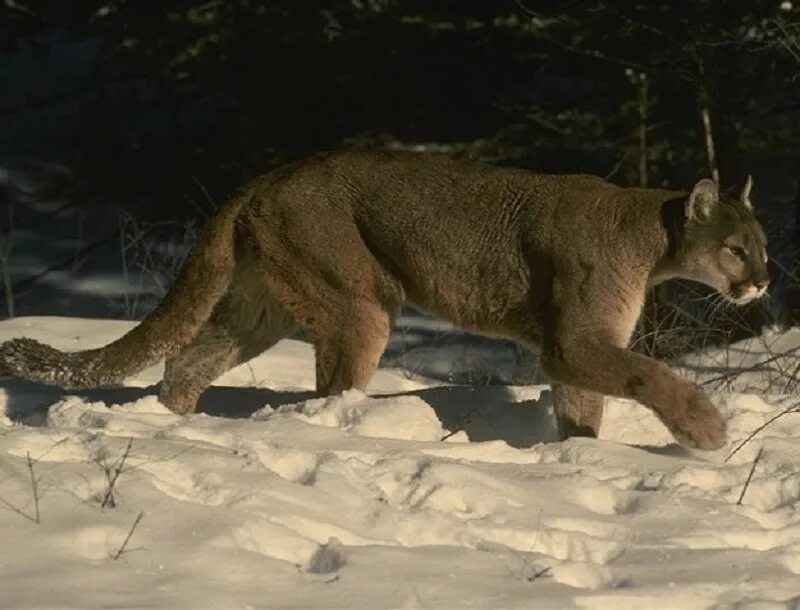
column 348, row 325
column 246, row 322
column 349, row 347
column 578, row 412
column 322, row 267
column 189, row 372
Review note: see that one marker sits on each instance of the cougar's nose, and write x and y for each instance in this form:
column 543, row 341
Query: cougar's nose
column 761, row 284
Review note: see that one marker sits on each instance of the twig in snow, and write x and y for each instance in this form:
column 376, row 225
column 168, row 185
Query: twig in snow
column 537, row 571
column 36, row 518
column 750, row 474
column 112, row 473
column 252, row 375
column 753, row 368
column 17, row 510
column 794, row 408
column 34, row 487
column 128, row 537
column 464, row 420
column 451, row 433
column 538, row 574
column 31, row 463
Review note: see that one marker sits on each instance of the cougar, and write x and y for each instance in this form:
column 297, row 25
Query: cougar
column 335, row 243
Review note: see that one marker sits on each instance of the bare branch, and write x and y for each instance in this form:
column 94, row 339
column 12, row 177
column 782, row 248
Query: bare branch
column 750, row 474
column 112, row 474
column 794, row 408
column 36, row 517
column 121, row 550
column 34, row 487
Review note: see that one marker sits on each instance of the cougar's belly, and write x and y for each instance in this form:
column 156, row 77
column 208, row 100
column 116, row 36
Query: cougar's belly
column 250, row 310
column 474, row 290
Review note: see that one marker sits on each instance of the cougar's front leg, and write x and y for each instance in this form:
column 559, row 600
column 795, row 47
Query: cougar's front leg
column 596, row 364
column 585, row 346
column 578, row 412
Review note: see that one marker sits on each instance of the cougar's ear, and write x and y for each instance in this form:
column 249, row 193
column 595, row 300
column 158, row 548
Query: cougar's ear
column 702, row 200
column 745, row 196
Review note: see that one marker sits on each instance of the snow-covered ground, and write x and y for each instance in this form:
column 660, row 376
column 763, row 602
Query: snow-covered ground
column 421, row 495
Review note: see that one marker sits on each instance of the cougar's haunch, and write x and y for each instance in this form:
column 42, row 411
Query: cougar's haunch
column 335, row 243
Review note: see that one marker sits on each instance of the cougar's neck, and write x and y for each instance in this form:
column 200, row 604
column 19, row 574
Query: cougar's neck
column 673, row 226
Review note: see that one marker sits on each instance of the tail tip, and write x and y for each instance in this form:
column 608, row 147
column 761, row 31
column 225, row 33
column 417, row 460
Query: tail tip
column 27, row 358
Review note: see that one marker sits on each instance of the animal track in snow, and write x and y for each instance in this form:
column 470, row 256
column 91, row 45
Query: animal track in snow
column 602, row 498
column 188, row 484
column 768, row 494
column 590, row 527
column 556, row 543
column 754, row 539
column 328, row 557
column 688, row 597
column 452, row 488
column 709, row 479
column 96, row 543
column 136, row 419
column 295, row 465
column 790, row 558
column 582, row 575
column 754, row 603
column 270, row 539
column 401, row 417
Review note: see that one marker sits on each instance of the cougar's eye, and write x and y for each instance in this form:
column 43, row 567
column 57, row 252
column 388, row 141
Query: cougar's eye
column 737, row 252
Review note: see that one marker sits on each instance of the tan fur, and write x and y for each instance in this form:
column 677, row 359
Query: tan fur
column 335, row 243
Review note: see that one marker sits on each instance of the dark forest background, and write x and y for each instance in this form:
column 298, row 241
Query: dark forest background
column 158, row 105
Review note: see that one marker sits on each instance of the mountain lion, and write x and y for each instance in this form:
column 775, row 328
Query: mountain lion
column 334, row 244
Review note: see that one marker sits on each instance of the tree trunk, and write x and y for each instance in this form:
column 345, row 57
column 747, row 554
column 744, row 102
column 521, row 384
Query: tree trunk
column 794, row 290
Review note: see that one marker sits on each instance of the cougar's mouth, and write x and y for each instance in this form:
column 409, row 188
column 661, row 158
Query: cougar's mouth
column 744, row 293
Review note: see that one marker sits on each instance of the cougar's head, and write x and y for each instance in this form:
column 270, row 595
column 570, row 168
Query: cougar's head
column 724, row 245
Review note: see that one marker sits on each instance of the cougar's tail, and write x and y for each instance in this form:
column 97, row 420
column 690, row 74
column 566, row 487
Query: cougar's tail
column 201, row 283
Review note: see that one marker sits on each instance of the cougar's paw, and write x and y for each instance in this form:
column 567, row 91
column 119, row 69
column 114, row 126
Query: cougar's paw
column 699, row 424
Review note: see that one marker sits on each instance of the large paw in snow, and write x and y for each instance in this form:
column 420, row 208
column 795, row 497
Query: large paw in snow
column 697, row 423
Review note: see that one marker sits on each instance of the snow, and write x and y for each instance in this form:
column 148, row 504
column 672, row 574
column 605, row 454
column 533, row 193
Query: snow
column 415, row 495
